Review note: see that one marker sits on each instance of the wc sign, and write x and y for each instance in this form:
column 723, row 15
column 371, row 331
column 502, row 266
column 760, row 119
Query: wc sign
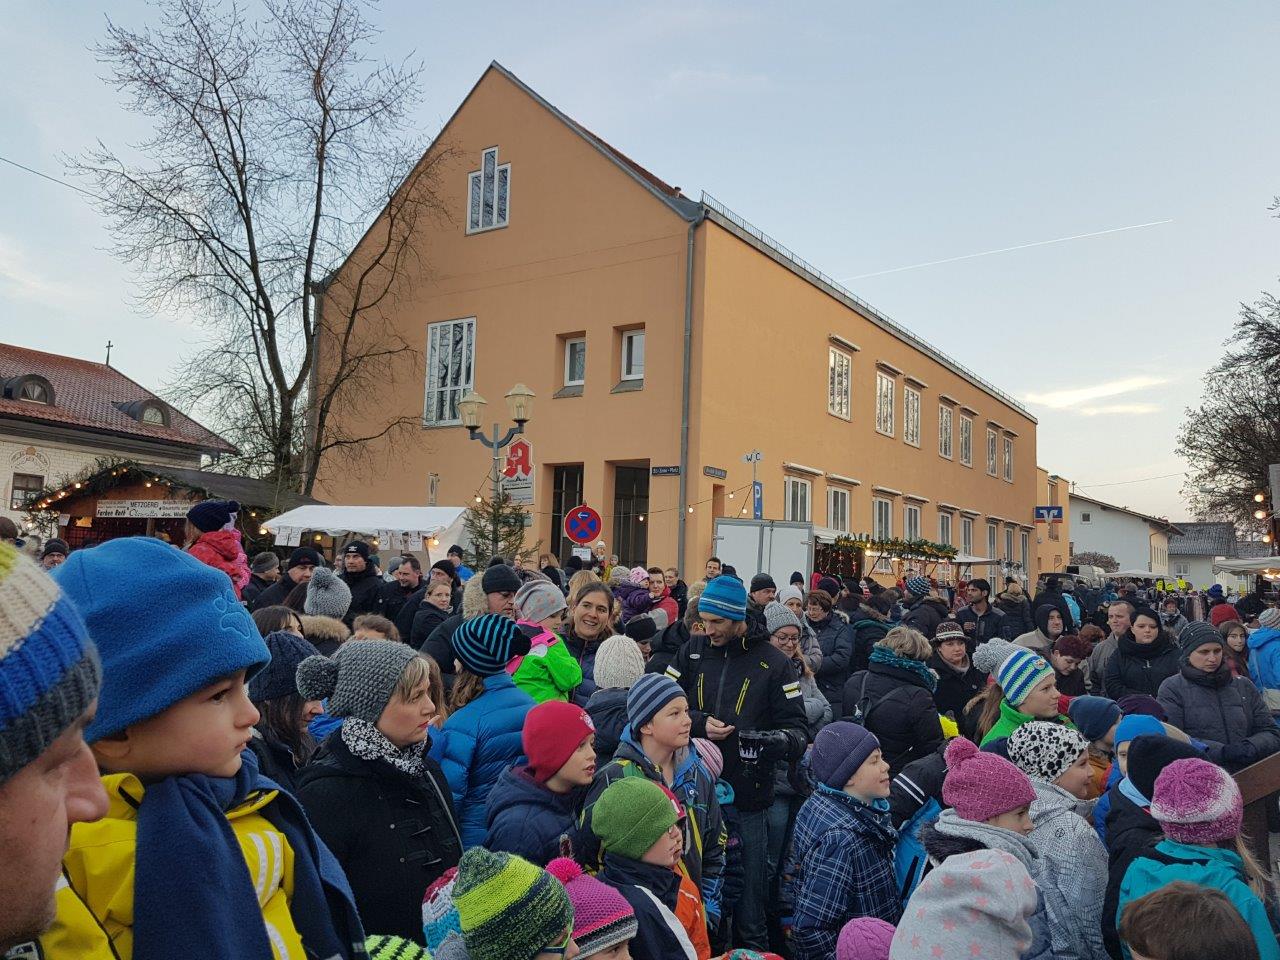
column 517, row 472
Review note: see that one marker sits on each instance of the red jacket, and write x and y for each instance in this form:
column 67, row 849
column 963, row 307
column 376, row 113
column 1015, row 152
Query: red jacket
column 667, row 605
column 221, row 550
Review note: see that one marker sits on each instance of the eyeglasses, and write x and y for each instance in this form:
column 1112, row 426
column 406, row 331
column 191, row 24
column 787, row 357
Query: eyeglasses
column 787, row 637
column 561, row 950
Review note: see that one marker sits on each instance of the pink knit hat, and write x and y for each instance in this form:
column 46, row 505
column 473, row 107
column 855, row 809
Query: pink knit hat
column 710, row 756
column 639, row 575
column 980, row 785
column 1196, row 801
column 602, row 918
column 864, row 938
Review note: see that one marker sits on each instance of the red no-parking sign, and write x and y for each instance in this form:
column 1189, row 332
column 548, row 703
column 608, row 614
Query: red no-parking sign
column 582, row 525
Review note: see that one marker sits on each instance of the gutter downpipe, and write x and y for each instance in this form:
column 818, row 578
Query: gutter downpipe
column 686, row 373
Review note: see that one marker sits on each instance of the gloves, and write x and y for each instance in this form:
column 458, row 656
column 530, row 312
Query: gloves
column 1238, row 754
column 763, row 745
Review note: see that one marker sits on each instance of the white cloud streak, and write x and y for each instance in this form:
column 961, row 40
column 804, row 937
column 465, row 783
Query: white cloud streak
column 1077, row 396
column 1117, row 409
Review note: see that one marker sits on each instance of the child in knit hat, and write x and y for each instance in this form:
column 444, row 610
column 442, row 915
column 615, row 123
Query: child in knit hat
column 510, row 909
column 548, row 671
column 484, row 734
column 533, row 809
column 841, row 863
column 281, row 740
column 655, row 745
column 376, row 763
column 212, row 538
column 1097, row 718
column 192, row 831
column 618, row 665
column 327, row 596
column 990, row 801
column 1200, row 811
column 1128, row 728
column 638, row 823
column 1023, row 689
column 604, row 924
column 864, row 938
column 1073, row 872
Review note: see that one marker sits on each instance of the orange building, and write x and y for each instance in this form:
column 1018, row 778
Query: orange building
column 1053, row 541
column 665, row 338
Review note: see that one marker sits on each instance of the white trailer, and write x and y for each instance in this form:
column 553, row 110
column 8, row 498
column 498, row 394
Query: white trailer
column 776, row 547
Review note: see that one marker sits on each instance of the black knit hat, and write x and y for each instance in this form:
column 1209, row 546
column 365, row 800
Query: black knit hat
column 279, row 677
column 303, row 555
column 762, row 581
column 357, row 548
column 210, row 515
column 501, row 579
column 1149, row 754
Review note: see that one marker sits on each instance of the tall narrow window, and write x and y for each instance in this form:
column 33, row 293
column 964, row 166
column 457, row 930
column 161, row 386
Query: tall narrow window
column 488, row 193
column 944, row 528
column 884, row 403
column 633, row 355
column 1026, row 551
column 796, row 497
column 944, row 431
column 991, row 452
column 838, row 509
column 966, row 536
column 992, row 536
column 911, row 416
column 966, row 440
column 1008, row 544
column 1008, row 458
column 881, row 519
column 839, row 367
column 910, row 522
column 575, row 362
column 450, row 369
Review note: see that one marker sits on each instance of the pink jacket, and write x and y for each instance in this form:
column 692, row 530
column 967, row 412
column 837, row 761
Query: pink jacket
column 222, row 550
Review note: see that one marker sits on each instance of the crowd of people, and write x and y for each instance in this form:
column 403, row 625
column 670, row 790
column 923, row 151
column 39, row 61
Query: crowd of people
column 203, row 754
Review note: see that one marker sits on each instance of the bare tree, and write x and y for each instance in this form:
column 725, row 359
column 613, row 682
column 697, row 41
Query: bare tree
column 1092, row 558
column 277, row 142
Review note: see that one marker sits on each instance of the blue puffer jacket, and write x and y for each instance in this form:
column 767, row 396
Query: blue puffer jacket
column 527, row 819
column 1264, row 662
column 477, row 743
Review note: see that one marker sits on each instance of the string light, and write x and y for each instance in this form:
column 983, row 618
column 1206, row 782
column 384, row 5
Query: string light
column 640, row 518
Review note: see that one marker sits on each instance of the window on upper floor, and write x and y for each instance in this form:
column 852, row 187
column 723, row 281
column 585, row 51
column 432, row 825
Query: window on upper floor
column 488, row 193
column 1008, row 544
column 993, row 536
column 633, row 355
column 991, row 452
column 25, row 488
column 1026, row 551
column 884, row 403
column 839, row 375
column 575, row 361
column 450, row 369
column 796, row 499
column 944, row 430
column 966, row 536
column 911, row 416
column 910, row 522
column 838, row 509
column 881, row 519
column 944, row 528
column 966, row 440
column 1085, row 517
column 1008, row 459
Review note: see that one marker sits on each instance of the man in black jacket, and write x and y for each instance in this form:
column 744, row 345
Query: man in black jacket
column 264, row 571
column 743, row 695
column 979, row 620
column 302, row 563
column 408, row 578
column 358, row 574
column 924, row 611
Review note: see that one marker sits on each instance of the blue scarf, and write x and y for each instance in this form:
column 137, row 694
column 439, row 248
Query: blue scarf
column 886, row 656
column 192, row 893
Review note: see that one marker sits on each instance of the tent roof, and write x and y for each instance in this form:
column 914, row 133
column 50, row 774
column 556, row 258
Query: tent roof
column 336, row 520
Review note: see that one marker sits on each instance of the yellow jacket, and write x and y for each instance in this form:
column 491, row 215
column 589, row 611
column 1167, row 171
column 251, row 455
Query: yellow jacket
column 95, row 897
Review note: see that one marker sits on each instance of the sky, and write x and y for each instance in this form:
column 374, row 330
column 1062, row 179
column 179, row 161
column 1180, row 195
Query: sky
column 865, row 136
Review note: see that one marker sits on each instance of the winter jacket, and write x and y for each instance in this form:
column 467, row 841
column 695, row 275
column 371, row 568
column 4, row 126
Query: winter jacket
column 366, row 593
column 326, row 634
column 608, row 710
column 439, row 643
column 817, row 709
column 1264, row 664
column 634, row 597
column 424, row 623
column 415, row 602
column 955, row 687
column 1130, row 830
column 1074, row 875
column 392, row 833
column 667, row 604
column 1140, row 668
column 1011, row 718
column 980, row 628
column 275, row 762
column 950, row 834
column 1214, row 867
column 919, row 782
column 840, row 867
column 1227, row 713
column 1055, row 598
column 394, row 597
column 548, row 671
column 925, row 615
column 664, row 647
column 476, row 744
column 653, row 893
column 222, row 550
column 584, row 651
column 253, row 589
column 835, row 637
column 751, row 685
column 868, row 629
column 274, row 595
column 1017, row 612
column 527, row 819
column 680, row 594
column 1173, row 626
column 900, row 711
column 1103, row 652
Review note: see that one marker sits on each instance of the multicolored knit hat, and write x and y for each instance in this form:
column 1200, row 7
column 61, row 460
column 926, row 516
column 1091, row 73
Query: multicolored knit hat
column 394, row 948
column 1044, row 750
column 484, row 644
column 1196, row 801
column 647, row 696
column 49, row 670
column 918, row 586
column 509, row 909
column 724, row 597
column 1015, row 668
column 980, row 786
column 632, row 814
column 440, row 923
column 602, row 918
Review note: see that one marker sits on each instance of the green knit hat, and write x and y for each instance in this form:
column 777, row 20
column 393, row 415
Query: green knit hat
column 632, row 815
column 509, row 909
column 382, row 947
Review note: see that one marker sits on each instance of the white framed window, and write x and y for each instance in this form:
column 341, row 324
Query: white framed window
column 450, row 369
column 1085, row 517
column 1182, row 568
column 966, row 536
column 991, row 452
column 993, row 536
column 910, row 522
column 25, row 488
column 944, row 528
column 796, row 499
column 1026, row 551
column 838, row 509
column 881, row 519
column 1008, row 459
column 839, row 376
column 966, row 440
column 884, row 403
column 575, row 362
column 488, row 194
column 944, row 430
column 911, row 416
column 1008, row 543
column 633, row 355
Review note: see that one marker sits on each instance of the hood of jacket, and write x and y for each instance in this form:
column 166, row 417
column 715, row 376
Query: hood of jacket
column 662, row 882
column 1013, row 599
column 515, row 788
column 225, row 543
column 1262, row 637
column 951, row 834
column 474, row 601
column 937, row 602
column 1130, row 647
column 1041, row 618
column 321, row 629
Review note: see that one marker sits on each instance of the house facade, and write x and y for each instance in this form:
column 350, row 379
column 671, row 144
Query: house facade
column 1053, row 540
column 1137, row 541
column 665, row 338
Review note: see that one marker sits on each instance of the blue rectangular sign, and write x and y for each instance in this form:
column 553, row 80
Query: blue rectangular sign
column 1049, row 514
column 757, row 500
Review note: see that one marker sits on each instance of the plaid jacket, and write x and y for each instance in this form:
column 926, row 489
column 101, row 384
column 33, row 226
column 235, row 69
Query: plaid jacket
column 841, row 867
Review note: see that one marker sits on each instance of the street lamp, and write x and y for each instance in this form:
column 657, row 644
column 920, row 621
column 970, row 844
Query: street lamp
column 519, row 404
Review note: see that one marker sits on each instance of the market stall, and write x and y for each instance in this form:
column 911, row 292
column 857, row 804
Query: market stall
column 417, row 530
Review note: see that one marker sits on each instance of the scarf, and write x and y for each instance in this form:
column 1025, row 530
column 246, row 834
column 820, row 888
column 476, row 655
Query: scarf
column 193, row 896
column 886, row 656
column 367, row 742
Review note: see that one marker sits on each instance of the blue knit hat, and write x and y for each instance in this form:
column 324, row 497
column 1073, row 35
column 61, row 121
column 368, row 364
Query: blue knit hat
column 1093, row 716
column 1015, row 668
column 165, row 624
column 49, row 670
column 919, row 586
column 647, row 696
column 279, row 677
column 724, row 597
column 1136, row 725
column 484, row 644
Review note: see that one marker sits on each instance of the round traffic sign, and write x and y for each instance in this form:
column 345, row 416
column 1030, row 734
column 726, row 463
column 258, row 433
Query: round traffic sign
column 582, row 525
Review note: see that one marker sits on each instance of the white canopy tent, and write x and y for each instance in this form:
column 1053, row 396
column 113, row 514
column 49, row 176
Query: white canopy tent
column 1138, row 574
column 1253, row 565
column 429, row 530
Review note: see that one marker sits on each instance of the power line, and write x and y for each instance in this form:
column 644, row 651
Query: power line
column 45, row 176
column 1119, row 483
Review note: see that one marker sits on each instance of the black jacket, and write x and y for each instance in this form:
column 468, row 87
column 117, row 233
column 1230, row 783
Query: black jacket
column 901, row 712
column 394, row 598
column 274, row 595
column 750, row 684
column 981, row 628
column 955, row 689
column 680, row 594
column 1017, row 614
column 366, row 593
column 835, row 637
column 253, row 589
column 425, row 620
column 868, row 629
column 608, row 711
column 275, row 762
column 918, row 783
column 1140, row 668
column 394, row 835
column 925, row 615
column 439, row 645
column 654, row 939
column 1130, row 831
column 665, row 646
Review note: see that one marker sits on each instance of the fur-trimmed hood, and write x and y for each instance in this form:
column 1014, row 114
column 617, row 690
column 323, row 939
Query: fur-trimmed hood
column 474, row 603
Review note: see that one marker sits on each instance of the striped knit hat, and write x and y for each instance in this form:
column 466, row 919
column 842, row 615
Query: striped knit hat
column 724, row 597
column 484, row 644
column 394, row 948
column 647, row 696
column 509, row 909
column 49, row 670
column 919, row 586
column 602, row 918
column 1015, row 668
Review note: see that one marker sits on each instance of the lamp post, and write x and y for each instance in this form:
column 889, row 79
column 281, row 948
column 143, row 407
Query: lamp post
column 471, row 408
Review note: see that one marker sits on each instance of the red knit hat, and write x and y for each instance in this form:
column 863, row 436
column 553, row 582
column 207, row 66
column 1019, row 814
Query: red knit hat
column 552, row 731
